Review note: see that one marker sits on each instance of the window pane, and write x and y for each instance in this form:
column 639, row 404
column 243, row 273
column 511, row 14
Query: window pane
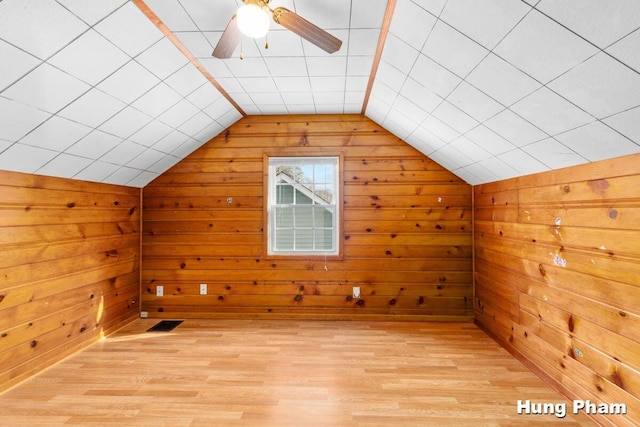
column 284, row 240
column 323, row 216
column 284, row 216
column 304, row 218
column 324, row 240
column 284, row 194
column 304, row 239
column 302, row 198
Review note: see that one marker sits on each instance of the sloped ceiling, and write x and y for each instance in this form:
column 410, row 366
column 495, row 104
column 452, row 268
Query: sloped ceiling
column 119, row 91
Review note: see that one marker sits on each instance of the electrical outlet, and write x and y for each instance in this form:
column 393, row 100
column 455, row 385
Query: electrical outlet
column 356, row 291
column 144, row 314
column 203, row 288
column 159, row 291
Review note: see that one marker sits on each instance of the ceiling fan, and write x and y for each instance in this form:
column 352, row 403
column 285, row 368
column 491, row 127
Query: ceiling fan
column 252, row 19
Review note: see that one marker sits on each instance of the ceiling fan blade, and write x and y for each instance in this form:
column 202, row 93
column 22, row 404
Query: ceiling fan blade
column 229, row 41
column 305, row 29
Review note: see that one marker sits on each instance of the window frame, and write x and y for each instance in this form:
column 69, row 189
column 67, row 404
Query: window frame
column 267, row 229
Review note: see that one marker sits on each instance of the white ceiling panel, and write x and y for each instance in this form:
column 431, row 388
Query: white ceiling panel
column 94, row 90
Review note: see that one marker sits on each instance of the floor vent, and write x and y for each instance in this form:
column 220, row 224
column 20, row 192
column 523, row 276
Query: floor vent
column 164, row 326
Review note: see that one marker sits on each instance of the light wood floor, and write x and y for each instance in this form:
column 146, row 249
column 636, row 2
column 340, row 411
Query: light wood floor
column 285, row 372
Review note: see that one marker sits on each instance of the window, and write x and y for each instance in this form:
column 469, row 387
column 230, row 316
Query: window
column 303, row 206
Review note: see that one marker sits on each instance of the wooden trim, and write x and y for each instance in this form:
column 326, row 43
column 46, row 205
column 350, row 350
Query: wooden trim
column 384, row 30
column 144, row 8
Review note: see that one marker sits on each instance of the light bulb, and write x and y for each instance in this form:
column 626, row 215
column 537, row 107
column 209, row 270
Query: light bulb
column 253, row 21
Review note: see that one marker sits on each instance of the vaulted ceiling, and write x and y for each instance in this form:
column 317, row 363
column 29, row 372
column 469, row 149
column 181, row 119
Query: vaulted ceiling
column 119, row 91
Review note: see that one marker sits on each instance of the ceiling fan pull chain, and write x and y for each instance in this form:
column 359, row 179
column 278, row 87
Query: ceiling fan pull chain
column 266, row 42
column 241, row 55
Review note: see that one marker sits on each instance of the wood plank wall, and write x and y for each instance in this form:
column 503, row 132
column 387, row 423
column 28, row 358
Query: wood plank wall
column 407, row 230
column 70, row 268
column 557, row 274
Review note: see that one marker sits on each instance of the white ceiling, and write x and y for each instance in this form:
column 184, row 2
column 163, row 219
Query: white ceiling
column 491, row 89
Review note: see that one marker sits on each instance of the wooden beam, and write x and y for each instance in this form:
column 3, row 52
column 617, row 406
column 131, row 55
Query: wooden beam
column 182, row 48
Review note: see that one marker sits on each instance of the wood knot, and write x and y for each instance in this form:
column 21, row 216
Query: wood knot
column 570, row 323
column 298, row 298
column 421, row 300
column 182, row 266
column 132, row 210
column 541, row 269
column 360, row 302
column 34, row 343
column 613, row 214
column 71, row 205
column 1, row 298
column 392, row 302
column 567, row 189
column 221, row 298
column 438, row 227
column 349, row 298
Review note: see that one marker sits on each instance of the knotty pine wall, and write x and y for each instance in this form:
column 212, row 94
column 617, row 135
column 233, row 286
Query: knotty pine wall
column 407, row 230
column 558, row 277
column 69, row 268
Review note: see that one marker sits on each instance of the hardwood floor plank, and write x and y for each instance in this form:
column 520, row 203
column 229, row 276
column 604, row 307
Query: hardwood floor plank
column 286, row 372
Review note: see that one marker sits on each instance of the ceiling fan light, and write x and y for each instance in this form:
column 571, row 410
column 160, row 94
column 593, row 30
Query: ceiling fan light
column 253, row 21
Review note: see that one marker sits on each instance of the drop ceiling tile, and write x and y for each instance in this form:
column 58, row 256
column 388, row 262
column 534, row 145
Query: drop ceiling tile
column 4, row 145
column 281, row 43
column 164, row 164
column 384, row 93
column 553, row 154
column 171, row 142
column 359, row 65
column 206, row 16
column 627, row 50
column 64, row 166
column 195, row 124
column 196, row 43
column 162, row 59
column 450, row 158
column 92, row 12
column 129, row 29
column 258, row 85
column 474, row 102
column 499, row 168
column 363, row 41
column 90, row 57
column 172, row 15
column 627, row 123
column 550, row 112
column 602, row 86
column 424, row 141
column 514, row 128
column 204, row 96
column 476, row 174
column 453, row 50
column 218, row 108
column 272, row 108
column 56, row 134
column 328, row 97
column 489, row 140
column 157, row 100
column 93, row 108
column 454, row 117
column 420, row 95
column 129, row 82
column 597, row 141
column 94, row 145
column 96, row 171
column 356, row 83
column 187, row 147
column 122, row 153
column 390, row 76
column 377, row 110
column 179, row 113
column 410, row 110
column 122, row 176
column 470, row 149
column 434, row 7
column 46, row 88
column 522, row 162
column 292, row 84
column 247, row 67
column 40, row 28
column 411, row 23
column 25, row 158
column 327, row 65
column 286, row 66
column 440, row 129
column 15, row 64
column 301, row 108
column 367, row 13
column 399, row 53
column 126, row 122
column 602, row 23
column 186, row 80
column 486, row 22
column 354, row 98
column 144, row 178
column 325, row 14
column 350, row 108
column 326, row 84
column 151, row 133
column 501, row 80
column 16, row 119
column 434, row 77
column 543, row 48
column 146, row 159
column 231, row 85
column 208, row 132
